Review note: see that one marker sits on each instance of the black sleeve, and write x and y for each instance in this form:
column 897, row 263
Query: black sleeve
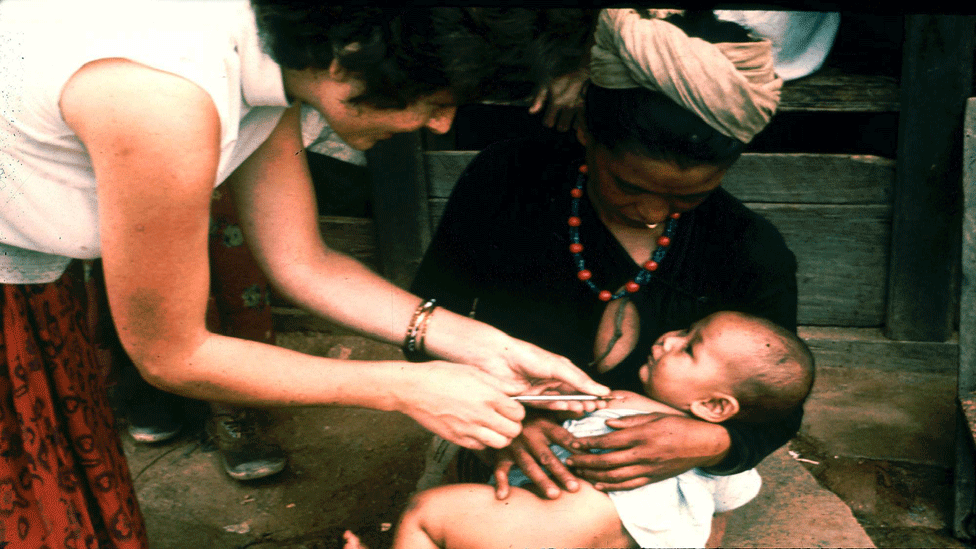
column 766, row 274
column 751, row 443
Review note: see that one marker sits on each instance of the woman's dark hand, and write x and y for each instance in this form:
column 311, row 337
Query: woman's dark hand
column 530, row 451
column 648, row 448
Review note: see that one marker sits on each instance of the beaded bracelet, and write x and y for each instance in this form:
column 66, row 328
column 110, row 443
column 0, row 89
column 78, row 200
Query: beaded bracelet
column 413, row 345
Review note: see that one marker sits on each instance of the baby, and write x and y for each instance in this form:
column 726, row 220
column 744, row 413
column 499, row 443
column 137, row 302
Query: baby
column 728, row 365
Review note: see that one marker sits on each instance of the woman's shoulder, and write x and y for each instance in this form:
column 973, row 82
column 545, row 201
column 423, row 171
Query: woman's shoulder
column 728, row 233
column 724, row 214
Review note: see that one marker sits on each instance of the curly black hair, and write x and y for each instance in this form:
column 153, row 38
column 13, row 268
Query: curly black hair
column 403, row 54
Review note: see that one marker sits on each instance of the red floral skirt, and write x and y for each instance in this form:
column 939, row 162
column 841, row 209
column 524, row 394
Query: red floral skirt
column 64, row 481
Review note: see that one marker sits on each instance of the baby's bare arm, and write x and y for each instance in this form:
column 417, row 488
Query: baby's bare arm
column 634, row 401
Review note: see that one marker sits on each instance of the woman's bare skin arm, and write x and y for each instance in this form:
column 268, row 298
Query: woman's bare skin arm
column 153, row 139
column 154, row 142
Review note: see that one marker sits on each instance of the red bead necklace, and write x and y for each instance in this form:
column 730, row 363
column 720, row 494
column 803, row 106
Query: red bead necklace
column 576, row 248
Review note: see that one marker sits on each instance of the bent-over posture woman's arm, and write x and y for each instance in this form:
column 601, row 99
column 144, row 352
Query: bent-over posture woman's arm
column 154, row 143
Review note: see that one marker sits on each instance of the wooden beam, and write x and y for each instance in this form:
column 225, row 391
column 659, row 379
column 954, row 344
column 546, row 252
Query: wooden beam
column 868, row 348
column 936, row 80
column 399, row 205
column 833, row 90
column 830, row 89
column 841, row 253
column 964, row 525
column 967, row 299
column 756, row 177
column 355, row 236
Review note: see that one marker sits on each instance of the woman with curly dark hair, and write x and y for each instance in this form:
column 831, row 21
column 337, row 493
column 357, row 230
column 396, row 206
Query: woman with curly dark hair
column 119, row 121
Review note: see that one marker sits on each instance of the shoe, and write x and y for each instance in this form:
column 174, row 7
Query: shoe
column 242, row 452
column 153, row 421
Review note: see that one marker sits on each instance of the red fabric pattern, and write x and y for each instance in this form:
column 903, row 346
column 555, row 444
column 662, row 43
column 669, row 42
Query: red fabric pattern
column 64, row 481
column 241, row 303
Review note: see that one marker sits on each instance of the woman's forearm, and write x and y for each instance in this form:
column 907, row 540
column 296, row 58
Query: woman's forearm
column 239, row 371
column 342, row 281
column 337, row 287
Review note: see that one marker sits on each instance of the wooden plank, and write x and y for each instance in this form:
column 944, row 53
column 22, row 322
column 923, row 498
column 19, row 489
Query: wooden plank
column 964, row 523
column 811, row 178
column 756, row 177
column 842, row 258
column 355, row 236
column 869, row 348
column 964, row 482
column 936, row 80
column 841, row 254
column 967, row 299
column 399, row 205
column 831, row 89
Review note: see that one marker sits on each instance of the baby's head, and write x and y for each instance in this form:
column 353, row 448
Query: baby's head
column 730, row 365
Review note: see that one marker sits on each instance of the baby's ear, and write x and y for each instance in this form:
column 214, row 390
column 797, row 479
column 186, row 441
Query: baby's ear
column 718, row 408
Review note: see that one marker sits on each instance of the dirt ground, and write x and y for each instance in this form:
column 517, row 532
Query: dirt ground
column 898, row 504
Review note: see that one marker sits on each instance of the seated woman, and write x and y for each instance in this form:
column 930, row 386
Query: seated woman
column 622, row 235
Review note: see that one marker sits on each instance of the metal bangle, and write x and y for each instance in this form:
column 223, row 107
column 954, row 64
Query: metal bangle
column 413, row 344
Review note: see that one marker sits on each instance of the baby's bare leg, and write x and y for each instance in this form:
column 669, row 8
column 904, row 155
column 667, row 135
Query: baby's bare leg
column 468, row 516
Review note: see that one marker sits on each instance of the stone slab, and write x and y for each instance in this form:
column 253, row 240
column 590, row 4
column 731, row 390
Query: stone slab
column 793, row 510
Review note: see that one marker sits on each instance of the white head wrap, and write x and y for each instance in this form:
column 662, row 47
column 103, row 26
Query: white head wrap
column 733, row 87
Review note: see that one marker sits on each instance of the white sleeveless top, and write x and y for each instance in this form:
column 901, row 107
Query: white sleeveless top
column 48, row 200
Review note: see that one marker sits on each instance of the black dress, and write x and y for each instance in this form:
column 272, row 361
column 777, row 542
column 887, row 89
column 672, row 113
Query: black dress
column 502, row 247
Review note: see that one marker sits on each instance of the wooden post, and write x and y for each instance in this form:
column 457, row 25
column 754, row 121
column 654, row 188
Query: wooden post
column 936, row 80
column 399, row 205
column 964, row 523
column 967, row 299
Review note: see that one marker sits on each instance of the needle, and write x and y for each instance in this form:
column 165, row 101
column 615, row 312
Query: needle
column 544, row 398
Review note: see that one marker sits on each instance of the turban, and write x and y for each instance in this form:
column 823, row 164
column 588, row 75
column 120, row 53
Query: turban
column 732, row 87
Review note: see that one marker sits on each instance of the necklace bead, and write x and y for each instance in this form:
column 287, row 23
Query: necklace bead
column 576, row 248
